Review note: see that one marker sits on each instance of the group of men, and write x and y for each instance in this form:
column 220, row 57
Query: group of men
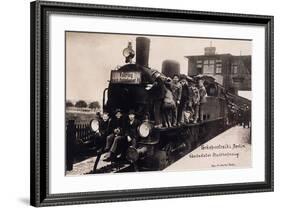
column 244, row 117
column 116, row 132
column 177, row 100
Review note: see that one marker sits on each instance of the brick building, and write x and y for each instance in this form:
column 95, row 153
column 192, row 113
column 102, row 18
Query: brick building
column 233, row 72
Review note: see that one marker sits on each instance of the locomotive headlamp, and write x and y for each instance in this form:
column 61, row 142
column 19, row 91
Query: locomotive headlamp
column 129, row 53
column 144, row 129
column 94, row 125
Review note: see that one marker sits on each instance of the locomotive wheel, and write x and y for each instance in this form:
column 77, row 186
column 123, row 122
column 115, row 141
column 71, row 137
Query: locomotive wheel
column 188, row 147
column 160, row 160
column 136, row 168
column 169, row 154
column 194, row 135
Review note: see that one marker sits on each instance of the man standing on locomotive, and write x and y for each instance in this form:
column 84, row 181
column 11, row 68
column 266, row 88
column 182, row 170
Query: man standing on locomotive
column 176, row 89
column 184, row 109
column 169, row 106
column 195, row 102
column 202, row 94
column 157, row 93
column 116, row 132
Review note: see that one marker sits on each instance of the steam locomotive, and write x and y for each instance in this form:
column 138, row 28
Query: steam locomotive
column 159, row 147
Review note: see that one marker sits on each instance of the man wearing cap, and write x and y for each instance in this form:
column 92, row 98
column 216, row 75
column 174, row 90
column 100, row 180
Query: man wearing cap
column 169, row 107
column 185, row 99
column 131, row 132
column 157, row 93
column 176, row 88
column 116, row 131
column 195, row 102
column 202, row 94
column 202, row 91
column 173, row 86
column 103, row 130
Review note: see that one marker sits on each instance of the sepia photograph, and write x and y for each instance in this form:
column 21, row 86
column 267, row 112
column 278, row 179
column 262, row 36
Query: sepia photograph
column 136, row 103
column 156, row 103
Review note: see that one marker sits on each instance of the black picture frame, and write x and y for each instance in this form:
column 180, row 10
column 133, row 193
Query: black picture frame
column 39, row 193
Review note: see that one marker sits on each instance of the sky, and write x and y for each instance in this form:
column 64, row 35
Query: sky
column 91, row 56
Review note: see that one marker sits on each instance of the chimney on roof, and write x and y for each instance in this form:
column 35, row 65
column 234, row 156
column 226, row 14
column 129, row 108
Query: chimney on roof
column 210, row 51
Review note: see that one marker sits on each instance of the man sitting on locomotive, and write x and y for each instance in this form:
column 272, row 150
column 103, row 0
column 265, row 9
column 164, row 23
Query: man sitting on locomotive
column 131, row 132
column 116, row 132
column 103, row 130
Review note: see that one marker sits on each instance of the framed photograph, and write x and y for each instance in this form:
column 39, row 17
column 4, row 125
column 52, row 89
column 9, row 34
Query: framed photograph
column 132, row 103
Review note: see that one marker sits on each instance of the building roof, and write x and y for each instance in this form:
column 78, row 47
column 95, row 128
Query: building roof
column 222, row 54
column 203, row 55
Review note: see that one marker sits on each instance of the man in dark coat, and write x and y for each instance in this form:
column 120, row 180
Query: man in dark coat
column 157, row 93
column 169, row 107
column 185, row 94
column 100, row 139
column 131, row 131
column 116, row 131
column 104, row 124
column 102, row 133
column 202, row 94
column 175, row 87
column 195, row 102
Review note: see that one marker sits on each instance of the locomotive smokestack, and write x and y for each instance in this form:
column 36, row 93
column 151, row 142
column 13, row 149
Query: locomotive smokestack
column 142, row 51
column 170, row 68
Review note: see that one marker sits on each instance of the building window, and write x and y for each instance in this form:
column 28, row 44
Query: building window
column 218, row 61
column 234, row 68
column 199, row 66
column 209, row 67
column 218, row 68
